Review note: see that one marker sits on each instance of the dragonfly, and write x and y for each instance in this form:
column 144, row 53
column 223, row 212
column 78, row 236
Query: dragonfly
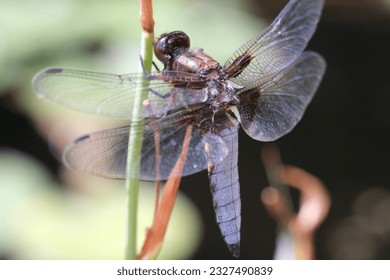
column 263, row 87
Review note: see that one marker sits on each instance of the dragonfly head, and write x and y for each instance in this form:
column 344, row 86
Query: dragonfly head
column 170, row 45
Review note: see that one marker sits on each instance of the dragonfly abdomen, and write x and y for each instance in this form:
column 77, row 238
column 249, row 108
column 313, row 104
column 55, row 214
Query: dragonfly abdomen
column 225, row 189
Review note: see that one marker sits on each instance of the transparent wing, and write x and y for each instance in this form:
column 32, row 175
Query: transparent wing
column 104, row 153
column 113, row 95
column 278, row 45
column 275, row 104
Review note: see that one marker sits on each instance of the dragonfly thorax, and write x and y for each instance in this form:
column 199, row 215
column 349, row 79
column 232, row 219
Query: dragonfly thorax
column 221, row 95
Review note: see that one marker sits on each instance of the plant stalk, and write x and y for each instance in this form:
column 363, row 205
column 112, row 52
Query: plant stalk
column 136, row 134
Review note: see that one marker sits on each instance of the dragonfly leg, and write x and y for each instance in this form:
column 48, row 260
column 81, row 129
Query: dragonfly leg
column 163, row 96
column 141, row 59
column 155, row 66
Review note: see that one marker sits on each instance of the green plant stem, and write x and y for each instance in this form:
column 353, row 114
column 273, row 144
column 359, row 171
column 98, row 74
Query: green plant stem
column 134, row 150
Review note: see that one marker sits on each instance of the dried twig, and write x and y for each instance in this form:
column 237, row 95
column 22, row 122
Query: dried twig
column 156, row 233
column 314, row 205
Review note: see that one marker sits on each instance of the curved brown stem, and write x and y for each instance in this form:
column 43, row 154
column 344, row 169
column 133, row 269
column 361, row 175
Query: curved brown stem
column 314, row 204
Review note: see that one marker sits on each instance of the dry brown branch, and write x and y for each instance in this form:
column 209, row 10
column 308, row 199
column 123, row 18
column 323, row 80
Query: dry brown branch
column 147, row 21
column 314, row 204
column 156, row 233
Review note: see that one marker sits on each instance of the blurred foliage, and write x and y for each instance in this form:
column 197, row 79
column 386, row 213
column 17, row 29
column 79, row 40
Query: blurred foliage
column 41, row 220
column 37, row 34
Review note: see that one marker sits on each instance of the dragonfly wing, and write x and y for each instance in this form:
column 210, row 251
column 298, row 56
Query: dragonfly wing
column 101, row 153
column 278, row 45
column 104, row 153
column 113, row 95
column 272, row 106
column 170, row 147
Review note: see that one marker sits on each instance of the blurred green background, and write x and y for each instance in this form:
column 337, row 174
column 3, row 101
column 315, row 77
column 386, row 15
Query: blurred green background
column 49, row 212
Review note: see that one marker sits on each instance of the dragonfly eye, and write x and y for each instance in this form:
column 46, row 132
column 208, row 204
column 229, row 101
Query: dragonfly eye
column 169, row 45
